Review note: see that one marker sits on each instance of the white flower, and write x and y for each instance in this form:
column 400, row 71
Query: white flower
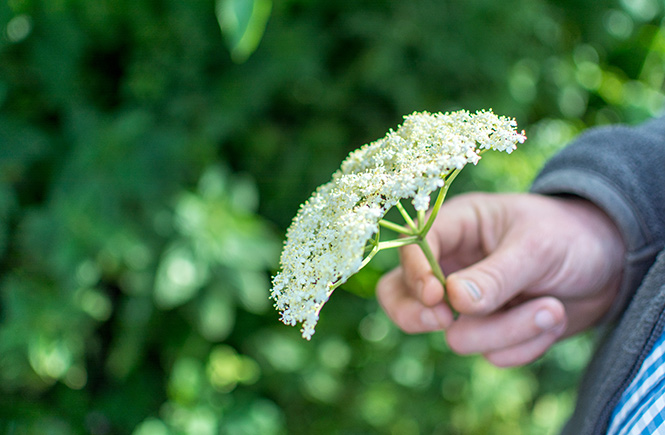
column 326, row 241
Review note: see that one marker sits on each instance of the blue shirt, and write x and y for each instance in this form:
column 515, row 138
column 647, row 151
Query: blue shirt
column 641, row 409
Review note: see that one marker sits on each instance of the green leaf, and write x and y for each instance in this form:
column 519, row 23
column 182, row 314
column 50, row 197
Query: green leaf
column 242, row 23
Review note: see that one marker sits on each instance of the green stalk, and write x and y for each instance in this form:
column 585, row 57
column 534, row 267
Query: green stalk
column 421, row 221
column 439, row 201
column 406, row 216
column 395, row 227
column 415, row 233
column 436, row 269
column 398, row 243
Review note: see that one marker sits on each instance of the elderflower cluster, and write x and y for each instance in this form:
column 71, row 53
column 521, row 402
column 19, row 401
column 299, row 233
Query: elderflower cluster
column 326, row 241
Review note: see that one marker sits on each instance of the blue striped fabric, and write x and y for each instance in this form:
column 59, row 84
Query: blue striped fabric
column 641, row 409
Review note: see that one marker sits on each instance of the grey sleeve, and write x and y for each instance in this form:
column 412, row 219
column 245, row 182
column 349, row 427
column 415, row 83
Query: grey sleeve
column 621, row 169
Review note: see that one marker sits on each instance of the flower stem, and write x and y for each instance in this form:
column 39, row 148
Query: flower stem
column 415, row 233
column 437, row 272
column 406, row 216
column 436, row 269
column 395, row 227
column 397, row 243
column 421, row 222
column 439, row 201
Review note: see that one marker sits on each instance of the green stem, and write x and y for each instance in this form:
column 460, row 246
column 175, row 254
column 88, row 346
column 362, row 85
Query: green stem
column 379, row 246
column 436, row 269
column 415, row 233
column 375, row 250
column 421, row 221
column 397, row 243
column 395, row 227
column 439, row 201
column 406, row 216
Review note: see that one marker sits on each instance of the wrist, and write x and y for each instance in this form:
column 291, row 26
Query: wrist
column 605, row 240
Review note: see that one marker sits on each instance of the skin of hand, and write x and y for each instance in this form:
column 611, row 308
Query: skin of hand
column 523, row 271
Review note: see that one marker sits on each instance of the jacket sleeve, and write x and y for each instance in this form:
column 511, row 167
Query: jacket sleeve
column 621, row 169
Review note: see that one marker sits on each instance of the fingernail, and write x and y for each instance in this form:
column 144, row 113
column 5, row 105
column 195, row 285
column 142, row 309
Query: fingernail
column 473, row 290
column 544, row 319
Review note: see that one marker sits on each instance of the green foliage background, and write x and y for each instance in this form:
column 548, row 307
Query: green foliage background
column 152, row 153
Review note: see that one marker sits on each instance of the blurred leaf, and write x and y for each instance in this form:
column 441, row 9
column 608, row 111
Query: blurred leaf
column 259, row 417
column 253, row 291
column 7, row 207
column 186, row 381
column 217, row 313
column 226, row 369
column 242, row 23
column 179, row 277
column 152, row 426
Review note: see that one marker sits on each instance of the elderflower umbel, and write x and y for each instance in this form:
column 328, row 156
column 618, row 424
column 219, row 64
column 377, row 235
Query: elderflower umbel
column 325, row 243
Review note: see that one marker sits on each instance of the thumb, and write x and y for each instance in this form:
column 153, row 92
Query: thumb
column 488, row 284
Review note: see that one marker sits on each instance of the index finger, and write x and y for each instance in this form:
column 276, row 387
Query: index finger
column 454, row 242
column 418, row 276
column 406, row 310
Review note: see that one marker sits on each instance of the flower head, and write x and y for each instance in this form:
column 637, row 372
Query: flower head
column 326, row 241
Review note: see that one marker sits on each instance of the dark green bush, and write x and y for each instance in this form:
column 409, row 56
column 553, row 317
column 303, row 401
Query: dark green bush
column 149, row 164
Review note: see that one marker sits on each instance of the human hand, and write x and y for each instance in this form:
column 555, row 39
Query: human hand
column 524, row 270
